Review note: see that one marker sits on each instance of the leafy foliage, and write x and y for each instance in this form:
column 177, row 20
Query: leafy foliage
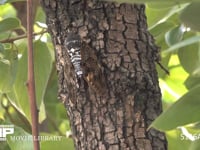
column 15, row 142
column 175, row 27
column 9, row 24
column 176, row 31
column 14, row 108
column 177, row 114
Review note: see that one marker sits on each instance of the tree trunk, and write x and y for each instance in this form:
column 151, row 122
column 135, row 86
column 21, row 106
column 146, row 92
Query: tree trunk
column 117, row 35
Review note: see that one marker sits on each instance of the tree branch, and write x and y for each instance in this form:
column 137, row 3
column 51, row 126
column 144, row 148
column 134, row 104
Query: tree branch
column 11, row 40
column 31, row 79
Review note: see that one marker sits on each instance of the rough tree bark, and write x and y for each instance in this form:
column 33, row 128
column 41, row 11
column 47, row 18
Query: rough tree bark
column 117, row 33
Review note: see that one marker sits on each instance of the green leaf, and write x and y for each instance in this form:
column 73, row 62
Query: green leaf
column 40, row 16
column 64, row 144
column 20, row 140
column 190, row 17
column 175, row 140
column 161, row 15
column 9, row 24
column 7, row 11
column 43, row 64
column 1, row 48
column 195, row 145
column 183, row 43
column 160, row 5
column 186, row 110
column 8, row 65
column 189, row 57
column 161, row 28
column 172, row 85
column 192, row 81
column 174, row 35
column 4, row 146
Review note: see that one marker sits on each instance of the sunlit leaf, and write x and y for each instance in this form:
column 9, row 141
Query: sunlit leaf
column 40, row 16
column 186, row 110
column 43, row 64
column 156, row 16
column 7, row 11
column 172, row 85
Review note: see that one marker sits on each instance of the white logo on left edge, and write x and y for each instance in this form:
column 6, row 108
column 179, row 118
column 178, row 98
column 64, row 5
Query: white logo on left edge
column 5, row 130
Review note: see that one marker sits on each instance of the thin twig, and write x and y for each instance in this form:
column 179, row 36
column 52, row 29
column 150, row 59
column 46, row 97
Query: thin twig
column 31, row 79
column 11, row 40
column 163, row 68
